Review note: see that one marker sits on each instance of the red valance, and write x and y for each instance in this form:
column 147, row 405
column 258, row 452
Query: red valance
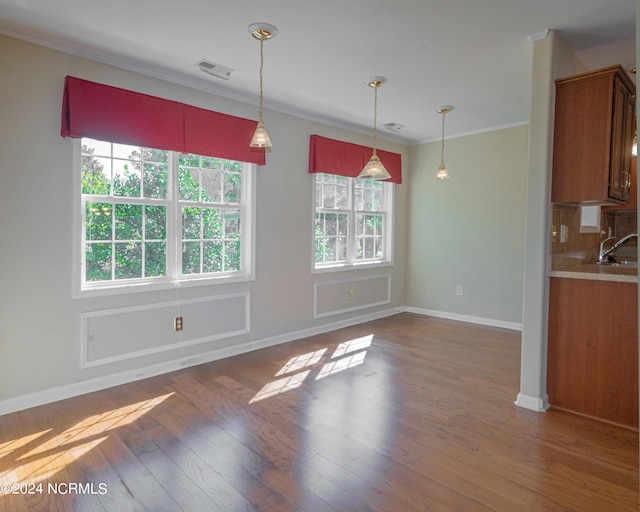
column 108, row 113
column 346, row 159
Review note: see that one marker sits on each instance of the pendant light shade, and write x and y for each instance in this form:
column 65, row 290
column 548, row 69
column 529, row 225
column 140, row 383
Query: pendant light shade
column 260, row 137
column 262, row 32
column 375, row 170
column 442, row 173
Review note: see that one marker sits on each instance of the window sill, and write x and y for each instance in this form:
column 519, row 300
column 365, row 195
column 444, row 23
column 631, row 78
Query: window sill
column 128, row 288
column 351, row 267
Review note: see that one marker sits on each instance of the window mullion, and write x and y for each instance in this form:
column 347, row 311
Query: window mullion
column 174, row 225
column 351, row 223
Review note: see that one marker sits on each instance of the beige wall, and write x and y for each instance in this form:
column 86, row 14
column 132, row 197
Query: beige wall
column 469, row 230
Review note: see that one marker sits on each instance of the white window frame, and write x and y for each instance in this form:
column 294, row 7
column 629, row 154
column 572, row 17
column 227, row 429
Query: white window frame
column 351, row 263
column 173, row 277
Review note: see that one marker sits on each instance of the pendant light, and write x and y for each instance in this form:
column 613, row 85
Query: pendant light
column 374, row 170
column 262, row 32
column 442, row 173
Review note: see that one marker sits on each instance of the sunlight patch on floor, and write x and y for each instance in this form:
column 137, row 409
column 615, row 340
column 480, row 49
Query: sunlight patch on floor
column 280, row 386
column 299, row 362
column 339, row 362
column 353, row 345
column 36, row 457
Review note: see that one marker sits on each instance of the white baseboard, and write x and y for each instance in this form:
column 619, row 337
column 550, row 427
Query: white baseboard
column 533, row 403
column 46, row 396
column 464, row 318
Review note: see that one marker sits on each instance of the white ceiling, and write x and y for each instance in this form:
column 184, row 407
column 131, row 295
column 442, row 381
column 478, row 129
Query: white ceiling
column 475, row 55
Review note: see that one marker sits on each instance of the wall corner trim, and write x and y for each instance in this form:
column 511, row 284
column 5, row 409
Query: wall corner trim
column 532, row 403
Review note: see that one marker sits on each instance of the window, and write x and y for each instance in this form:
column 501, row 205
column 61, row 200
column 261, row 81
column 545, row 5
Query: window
column 156, row 216
column 352, row 221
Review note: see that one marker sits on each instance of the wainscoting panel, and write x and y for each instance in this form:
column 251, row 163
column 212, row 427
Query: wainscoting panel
column 114, row 335
column 343, row 296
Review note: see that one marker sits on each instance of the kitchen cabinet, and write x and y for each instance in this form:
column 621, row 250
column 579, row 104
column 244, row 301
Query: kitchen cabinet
column 632, row 202
column 592, row 358
column 593, row 136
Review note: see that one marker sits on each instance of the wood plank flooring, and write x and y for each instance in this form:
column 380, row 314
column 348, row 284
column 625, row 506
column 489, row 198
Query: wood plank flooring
column 407, row 413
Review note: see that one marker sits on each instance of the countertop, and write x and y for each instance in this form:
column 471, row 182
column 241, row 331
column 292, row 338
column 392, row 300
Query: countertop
column 595, row 272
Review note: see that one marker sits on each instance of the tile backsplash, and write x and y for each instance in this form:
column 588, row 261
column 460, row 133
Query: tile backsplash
column 569, row 246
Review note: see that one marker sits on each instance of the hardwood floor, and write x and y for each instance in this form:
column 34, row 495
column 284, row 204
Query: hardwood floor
column 403, row 414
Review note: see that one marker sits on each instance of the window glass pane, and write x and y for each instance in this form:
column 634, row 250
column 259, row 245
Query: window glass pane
column 188, row 160
column 342, row 196
column 321, row 242
column 358, row 195
column 330, row 237
column 191, row 257
column 128, row 221
column 329, row 196
column 232, row 256
column 341, row 249
column 210, row 163
column 369, row 224
column 331, row 224
column 378, row 197
column 159, row 156
column 343, row 225
column 128, row 258
column 368, row 248
column 212, row 224
column 96, row 147
column 331, row 250
column 232, row 224
column 155, row 223
column 126, row 178
column 212, row 256
column 368, row 200
column 98, row 224
column 212, row 185
column 379, row 247
column 155, row 259
column 190, row 223
column 127, row 152
column 232, row 187
column 155, row 180
column 96, row 175
column 189, row 184
column 98, row 261
column 359, row 225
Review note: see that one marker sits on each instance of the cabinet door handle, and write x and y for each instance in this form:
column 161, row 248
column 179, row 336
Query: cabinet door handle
column 627, row 179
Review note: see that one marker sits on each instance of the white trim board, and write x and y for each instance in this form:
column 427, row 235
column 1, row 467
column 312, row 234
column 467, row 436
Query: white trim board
column 464, row 318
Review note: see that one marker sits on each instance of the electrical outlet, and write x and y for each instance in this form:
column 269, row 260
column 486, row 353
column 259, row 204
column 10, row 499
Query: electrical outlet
column 177, row 323
column 459, row 290
column 350, row 295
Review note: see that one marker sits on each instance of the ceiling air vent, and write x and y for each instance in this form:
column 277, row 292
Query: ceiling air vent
column 217, row 70
column 394, row 127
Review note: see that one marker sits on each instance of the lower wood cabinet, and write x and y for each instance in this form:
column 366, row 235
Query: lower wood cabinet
column 592, row 364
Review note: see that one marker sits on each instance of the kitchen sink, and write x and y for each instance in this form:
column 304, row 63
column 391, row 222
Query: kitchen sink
column 621, row 263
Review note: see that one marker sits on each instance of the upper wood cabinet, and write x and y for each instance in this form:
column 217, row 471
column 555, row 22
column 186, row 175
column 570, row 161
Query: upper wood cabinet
column 593, row 136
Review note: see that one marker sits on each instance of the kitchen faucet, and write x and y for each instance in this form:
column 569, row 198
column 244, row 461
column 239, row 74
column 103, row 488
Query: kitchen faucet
column 604, row 253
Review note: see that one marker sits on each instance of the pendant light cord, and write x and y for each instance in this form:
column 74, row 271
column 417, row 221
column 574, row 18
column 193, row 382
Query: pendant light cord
column 375, row 118
column 261, row 64
column 442, row 147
